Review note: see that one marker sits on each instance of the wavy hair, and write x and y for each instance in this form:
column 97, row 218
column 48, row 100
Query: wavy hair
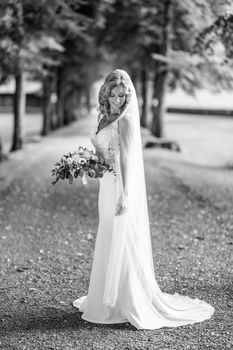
column 112, row 80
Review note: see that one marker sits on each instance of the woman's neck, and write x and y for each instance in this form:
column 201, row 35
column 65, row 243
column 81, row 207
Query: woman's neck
column 114, row 111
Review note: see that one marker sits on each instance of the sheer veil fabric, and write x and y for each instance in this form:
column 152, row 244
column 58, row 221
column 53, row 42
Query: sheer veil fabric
column 122, row 285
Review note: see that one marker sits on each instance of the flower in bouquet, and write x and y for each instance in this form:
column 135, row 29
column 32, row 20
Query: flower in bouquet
column 81, row 163
column 69, row 160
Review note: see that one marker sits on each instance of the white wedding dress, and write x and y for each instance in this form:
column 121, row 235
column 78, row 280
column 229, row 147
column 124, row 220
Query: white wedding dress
column 122, row 284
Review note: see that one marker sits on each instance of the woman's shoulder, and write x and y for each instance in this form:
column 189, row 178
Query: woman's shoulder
column 126, row 127
column 126, row 121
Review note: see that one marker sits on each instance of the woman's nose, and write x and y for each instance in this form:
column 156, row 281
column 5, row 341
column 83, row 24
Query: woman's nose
column 117, row 99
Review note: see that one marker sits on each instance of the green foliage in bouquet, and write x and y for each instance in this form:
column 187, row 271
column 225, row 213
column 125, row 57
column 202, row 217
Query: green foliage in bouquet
column 79, row 164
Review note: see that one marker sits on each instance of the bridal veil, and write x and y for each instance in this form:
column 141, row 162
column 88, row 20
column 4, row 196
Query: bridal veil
column 131, row 234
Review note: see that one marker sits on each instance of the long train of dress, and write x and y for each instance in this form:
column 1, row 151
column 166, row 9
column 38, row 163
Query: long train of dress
column 136, row 303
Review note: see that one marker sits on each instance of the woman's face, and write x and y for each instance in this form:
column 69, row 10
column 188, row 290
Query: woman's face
column 117, row 98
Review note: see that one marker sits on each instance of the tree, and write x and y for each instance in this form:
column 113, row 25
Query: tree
column 121, row 36
column 58, row 21
column 1, row 150
column 160, row 81
column 156, row 39
column 82, row 56
column 11, row 29
column 48, row 43
column 23, row 44
column 177, row 64
column 215, row 43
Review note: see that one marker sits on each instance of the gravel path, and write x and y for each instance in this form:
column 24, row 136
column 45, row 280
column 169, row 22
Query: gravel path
column 47, row 237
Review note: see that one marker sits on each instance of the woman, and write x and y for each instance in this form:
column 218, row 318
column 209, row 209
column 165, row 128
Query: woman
column 122, row 285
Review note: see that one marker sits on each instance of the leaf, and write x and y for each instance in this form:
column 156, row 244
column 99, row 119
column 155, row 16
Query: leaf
column 55, row 181
column 76, row 173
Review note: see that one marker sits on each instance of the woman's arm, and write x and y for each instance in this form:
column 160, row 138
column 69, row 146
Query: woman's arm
column 125, row 141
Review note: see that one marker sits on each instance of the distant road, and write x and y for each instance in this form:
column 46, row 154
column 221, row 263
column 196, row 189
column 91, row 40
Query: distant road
column 204, row 139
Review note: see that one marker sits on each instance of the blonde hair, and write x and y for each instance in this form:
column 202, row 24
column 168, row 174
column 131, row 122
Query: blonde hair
column 112, row 80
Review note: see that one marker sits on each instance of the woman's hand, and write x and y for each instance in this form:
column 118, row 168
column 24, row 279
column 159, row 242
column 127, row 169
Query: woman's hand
column 121, row 207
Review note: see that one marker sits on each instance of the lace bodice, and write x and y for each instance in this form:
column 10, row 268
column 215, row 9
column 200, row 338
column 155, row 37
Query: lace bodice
column 106, row 143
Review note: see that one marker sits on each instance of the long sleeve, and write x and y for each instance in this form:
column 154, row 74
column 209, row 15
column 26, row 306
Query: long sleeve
column 126, row 136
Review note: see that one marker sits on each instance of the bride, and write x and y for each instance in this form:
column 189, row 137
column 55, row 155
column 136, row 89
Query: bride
column 122, row 285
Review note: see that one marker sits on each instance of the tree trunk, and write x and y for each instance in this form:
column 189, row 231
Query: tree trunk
column 78, row 103
column 49, row 105
column 19, row 111
column 1, row 150
column 160, row 82
column 150, row 92
column 75, row 105
column 68, row 108
column 158, row 104
column 53, row 113
column 46, row 107
column 60, row 98
column 144, row 110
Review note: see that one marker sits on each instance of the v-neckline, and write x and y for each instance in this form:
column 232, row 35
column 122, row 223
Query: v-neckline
column 105, row 126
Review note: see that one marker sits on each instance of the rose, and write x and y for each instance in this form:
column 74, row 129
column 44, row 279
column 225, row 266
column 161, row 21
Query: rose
column 86, row 154
column 69, row 160
column 75, row 157
column 82, row 161
column 91, row 173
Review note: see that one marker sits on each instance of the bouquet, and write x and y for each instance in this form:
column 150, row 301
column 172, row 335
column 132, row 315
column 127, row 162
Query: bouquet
column 80, row 164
